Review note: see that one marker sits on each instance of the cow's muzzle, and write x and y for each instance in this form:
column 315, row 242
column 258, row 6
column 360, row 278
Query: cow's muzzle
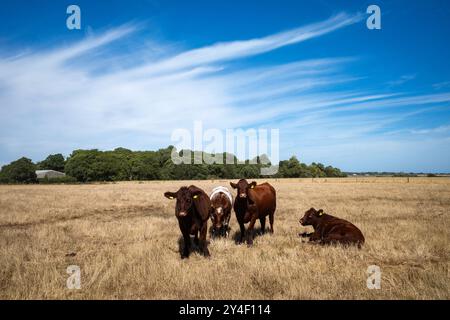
column 182, row 213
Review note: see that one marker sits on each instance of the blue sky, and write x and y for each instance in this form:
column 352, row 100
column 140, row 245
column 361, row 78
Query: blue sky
column 359, row 99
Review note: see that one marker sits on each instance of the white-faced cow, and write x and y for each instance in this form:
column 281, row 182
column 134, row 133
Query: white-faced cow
column 221, row 204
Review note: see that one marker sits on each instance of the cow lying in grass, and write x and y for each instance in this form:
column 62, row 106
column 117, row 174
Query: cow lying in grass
column 329, row 229
column 192, row 211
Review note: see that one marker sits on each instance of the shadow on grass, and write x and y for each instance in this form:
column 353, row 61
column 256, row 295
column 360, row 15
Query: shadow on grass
column 194, row 248
column 256, row 233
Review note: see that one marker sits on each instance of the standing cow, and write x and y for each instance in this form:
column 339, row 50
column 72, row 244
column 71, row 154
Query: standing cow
column 192, row 211
column 221, row 204
column 253, row 202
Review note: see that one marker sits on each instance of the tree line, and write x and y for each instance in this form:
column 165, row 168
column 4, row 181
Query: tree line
column 123, row 164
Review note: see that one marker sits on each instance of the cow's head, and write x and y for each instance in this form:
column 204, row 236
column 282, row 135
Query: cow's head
column 185, row 200
column 219, row 204
column 311, row 217
column 242, row 188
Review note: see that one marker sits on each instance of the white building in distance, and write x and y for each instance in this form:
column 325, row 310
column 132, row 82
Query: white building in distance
column 42, row 174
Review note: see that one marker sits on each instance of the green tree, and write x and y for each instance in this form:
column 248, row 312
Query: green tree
column 52, row 162
column 145, row 166
column 317, row 170
column 80, row 165
column 290, row 168
column 124, row 164
column 22, row 170
column 333, row 172
column 248, row 171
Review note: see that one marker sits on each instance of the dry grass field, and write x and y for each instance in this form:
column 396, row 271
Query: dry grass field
column 125, row 238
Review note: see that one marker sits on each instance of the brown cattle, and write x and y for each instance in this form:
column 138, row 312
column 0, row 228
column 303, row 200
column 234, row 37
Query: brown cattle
column 253, row 202
column 221, row 204
column 329, row 229
column 192, row 211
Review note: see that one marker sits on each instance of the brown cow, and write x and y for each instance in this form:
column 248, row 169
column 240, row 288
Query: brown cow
column 329, row 229
column 221, row 205
column 253, row 202
column 192, row 211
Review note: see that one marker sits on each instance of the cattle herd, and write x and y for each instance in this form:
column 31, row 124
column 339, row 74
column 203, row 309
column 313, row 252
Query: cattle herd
column 253, row 202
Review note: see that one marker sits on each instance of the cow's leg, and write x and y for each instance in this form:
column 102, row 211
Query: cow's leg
column 187, row 245
column 305, row 234
column 315, row 236
column 250, row 231
column 271, row 221
column 203, row 243
column 227, row 222
column 262, row 220
column 242, row 227
column 196, row 239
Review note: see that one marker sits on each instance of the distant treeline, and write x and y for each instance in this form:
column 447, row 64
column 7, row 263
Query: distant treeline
column 394, row 174
column 122, row 164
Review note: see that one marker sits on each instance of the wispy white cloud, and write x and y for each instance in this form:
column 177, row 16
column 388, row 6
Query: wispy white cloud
column 440, row 129
column 403, row 79
column 48, row 96
column 441, row 85
column 56, row 100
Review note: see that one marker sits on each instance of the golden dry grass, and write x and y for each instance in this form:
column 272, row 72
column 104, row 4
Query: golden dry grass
column 125, row 237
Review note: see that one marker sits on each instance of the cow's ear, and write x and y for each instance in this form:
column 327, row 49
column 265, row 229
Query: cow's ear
column 320, row 212
column 233, row 185
column 170, row 195
column 253, row 184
